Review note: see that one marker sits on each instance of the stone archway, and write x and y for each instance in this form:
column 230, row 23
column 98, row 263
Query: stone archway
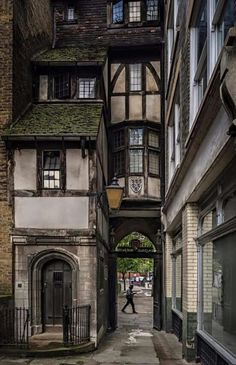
column 121, row 231
column 36, row 266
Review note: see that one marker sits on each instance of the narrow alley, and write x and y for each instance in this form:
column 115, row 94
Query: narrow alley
column 134, row 342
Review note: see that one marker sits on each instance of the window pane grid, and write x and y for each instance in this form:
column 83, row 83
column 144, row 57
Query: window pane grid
column 87, row 88
column 153, row 158
column 134, row 11
column 136, row 136
column 51, row 170
column 61, row 86
column 153, row 139
column 117, row 12
column 119, row 162
column 71, row 13
column 136, row 77
column 152, row 9
column 136, row 160
column 119, row 139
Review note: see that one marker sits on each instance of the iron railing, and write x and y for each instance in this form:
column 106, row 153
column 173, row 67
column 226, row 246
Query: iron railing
column 76, row 325
column 177, row 325
column 14, row 323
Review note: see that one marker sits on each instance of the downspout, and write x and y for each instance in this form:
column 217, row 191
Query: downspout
column 54, row 28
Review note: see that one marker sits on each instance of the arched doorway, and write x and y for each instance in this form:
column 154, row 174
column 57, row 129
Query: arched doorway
column 136, row 249
column 56, row 292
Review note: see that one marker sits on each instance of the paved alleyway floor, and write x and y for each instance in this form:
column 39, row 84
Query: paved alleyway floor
column 134, row 342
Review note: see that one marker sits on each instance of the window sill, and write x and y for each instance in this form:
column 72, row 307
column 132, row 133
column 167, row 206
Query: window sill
column 146, row 24
column 68, row 22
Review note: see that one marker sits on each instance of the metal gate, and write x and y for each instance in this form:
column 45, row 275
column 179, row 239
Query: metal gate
column 14, row 327
column 76, row 325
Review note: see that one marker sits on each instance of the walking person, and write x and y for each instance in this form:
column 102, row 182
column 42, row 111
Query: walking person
column 129, row 297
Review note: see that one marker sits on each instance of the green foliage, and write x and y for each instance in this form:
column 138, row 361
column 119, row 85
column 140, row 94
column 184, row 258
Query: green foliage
column 125, row 242
column 141, row 266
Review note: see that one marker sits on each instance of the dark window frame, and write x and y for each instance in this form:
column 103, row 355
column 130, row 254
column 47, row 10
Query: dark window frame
column 126, row 14
column 43, row 169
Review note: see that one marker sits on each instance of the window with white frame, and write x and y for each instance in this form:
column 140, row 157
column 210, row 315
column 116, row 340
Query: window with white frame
column 51, row 169
column 198, row 61
column 222, row 19
column 174, row 140
column 134, row 11
column 70, row 13
column 172, row 31
column 135, row 77
column 177, row 261
column 87, row 88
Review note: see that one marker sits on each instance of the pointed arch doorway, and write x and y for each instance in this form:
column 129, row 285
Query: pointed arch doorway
column 56, row 292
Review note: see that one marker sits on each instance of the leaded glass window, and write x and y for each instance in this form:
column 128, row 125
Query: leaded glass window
column 135, row 11
column 51, row 169
column 135, row 136
column 153, row 139
column 153, row 162
column 136, row 160
column 71, row 13
column 61, row 86
column 119, row 162
column 135, row 77
column 118, row 12
column 87, row 88
column 152, row 9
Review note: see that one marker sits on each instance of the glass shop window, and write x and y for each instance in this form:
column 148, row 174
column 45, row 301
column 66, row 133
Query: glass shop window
column 51, row 169
column 218, row 292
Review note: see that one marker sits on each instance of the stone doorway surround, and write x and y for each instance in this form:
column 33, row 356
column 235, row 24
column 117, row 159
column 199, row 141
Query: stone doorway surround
column 35, row 268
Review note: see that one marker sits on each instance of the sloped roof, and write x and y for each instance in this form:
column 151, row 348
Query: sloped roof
column 71, row 54
column 80, row 119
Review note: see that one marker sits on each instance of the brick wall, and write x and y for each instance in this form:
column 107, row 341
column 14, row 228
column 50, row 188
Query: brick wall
column 93, row 28
column 32, row 32
column 6, row 39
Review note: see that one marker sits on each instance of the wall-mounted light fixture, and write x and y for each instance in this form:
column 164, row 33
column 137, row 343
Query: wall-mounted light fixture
column 114, row 194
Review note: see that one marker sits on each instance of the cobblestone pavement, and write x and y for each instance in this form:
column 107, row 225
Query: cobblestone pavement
column 134, row 342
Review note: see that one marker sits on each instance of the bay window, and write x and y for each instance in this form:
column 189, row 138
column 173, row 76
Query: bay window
column 134, row 149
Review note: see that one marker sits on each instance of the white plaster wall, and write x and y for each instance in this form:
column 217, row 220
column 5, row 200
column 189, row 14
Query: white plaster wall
column 204, row 158
column 153, row 107
column 114, row 68
column 120, row 83
column 52, row 213
column 77, row 170
column 117, row 109
column 151, row 84
column 25, row 169
column 154, row 187
column 135, row 107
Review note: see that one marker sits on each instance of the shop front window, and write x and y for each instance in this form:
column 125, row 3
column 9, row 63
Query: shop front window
column 218, row 292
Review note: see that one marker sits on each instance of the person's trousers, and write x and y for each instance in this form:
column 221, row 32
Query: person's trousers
column 129, row 301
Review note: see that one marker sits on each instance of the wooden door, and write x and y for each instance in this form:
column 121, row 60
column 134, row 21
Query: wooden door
column 56, row 291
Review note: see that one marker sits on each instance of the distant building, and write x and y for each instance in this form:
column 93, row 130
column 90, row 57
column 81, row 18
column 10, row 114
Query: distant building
column 199, row 212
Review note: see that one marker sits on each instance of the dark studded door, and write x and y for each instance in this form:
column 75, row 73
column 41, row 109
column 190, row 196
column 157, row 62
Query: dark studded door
column 56, row 287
